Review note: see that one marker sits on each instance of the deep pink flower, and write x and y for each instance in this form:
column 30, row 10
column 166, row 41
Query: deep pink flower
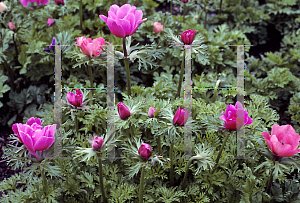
column 123, row 21
column 123, row 110
column 25, row 2
column 97, row 143
column 145, row 151
column 185, row 1
column 90, row 47
column 157, row 27
column 11, row 26
column 3, row 7
column 230, row 117
column 75, row 99
column 151, row 111
column 33, row 136
column 58, row 2
column 179, row 117
column 187, row 37
column 283, row 141
column 50, row 21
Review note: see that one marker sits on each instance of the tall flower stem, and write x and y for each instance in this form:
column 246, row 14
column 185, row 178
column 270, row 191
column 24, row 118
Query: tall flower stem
column 141, row 185
column 181, row 76
column 76, row 121
column 91, row 81
column 171, row 7
column 171, row 169
column 16, row 48
column 186, row 172
column 44, row 179
column 127, row 68
column 159, row 145
column 205, row 18
column 10, row 74
column 270, row 181
column 220, row 152
column 101, row 177
column 220, row 7
column 184, row 7
column 80, row 13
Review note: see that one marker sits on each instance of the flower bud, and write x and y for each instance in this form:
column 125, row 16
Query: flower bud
column 187, row 37
column 59, row 2
column 179, row 118
column 75, row 99
column 151, row 111
column 2, row 7
column 157, row 27
column 185, row 1
column 145, row 151
column 97, row 143
column 11, row 26
column 123, row 110
column 50, row 21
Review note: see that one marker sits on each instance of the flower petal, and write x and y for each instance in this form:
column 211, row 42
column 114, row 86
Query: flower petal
column 122, row 12
column 27, row 141
column 115, row 29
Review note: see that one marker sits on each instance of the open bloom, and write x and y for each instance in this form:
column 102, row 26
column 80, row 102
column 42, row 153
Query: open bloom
column 50, row 21
column 75, row 99
column 2, row 7
column 151, row 111
column 34, row 136
column 52, row 46
column 123, row 21
column 187, row 37
column 157, row 27
column 25, row 2
column 283, row 141
column 11, row 26
column 145, row 151
column 179, row 117
column 59, row 2
column 123, row 110
column 90, row 47
column 230, row 117
column 97, row 143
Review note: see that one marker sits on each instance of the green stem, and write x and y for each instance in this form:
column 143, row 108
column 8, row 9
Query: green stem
column 200, row 14
column 205, row 18
column 44, row 179
column 215, row 91
column 171, row 7
column 181, row 76
column 220, row 152
column 171, row 169
column 91, row 81
column 16, row 48
column 76, row 122
column 159, row 145
column 220, row 7
column 270, row 181
column 80, row 12
column 101, row 178
column 127, row 68
column 141, row 185
column 184, row 7
column 186, row 172
column 10, row 74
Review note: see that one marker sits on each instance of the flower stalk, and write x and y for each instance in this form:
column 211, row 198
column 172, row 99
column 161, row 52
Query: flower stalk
column 184, row 9
column 159, row 145
column 270, row 181
column 220, row 152
column 181, row 76
column 16, row 48
column 80, row 13
column 76, row 122
column 171, row 169
column 186, row 171
column 127, row 68
column 101, row 177
column 141, row 185
column 91, row 82
column 220, row 7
